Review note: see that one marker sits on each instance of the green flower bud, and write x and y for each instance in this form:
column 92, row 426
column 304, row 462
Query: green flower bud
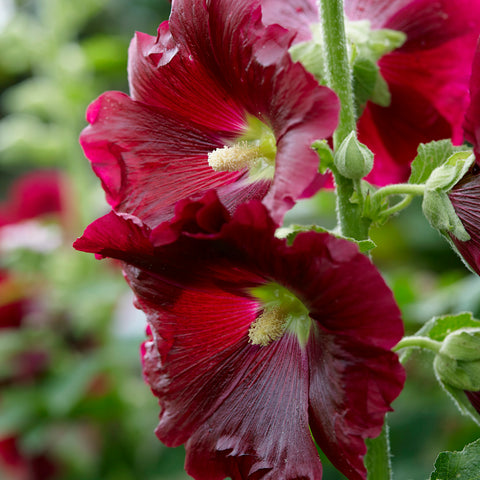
column 458, row 374
column 458, row 362
column 463, row 344
column 353, row 159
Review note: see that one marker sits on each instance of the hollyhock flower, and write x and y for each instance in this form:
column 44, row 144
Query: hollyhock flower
column 34, row 194
column 474, row 398
column 258, row 345
column 18, row 466
column 216, row 102
column 465, row 195
column 13, row 302
column 32, row 198
column 427, row 76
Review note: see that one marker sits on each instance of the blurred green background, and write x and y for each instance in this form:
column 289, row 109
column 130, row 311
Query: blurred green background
column 73, row 402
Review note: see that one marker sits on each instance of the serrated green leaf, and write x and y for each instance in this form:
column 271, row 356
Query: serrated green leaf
column 464, row 465
column 429, row 157
column 439, row 327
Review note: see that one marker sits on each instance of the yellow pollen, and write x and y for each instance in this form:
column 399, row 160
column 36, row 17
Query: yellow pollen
column 268, row 327
column 234, row 158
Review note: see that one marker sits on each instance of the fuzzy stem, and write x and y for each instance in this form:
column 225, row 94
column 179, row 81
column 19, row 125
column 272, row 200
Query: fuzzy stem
column 419, row 342
column 399, row 189
column 339, row 79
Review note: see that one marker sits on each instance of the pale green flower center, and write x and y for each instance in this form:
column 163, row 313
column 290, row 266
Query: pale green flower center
column 254, row 150
column 283, row 313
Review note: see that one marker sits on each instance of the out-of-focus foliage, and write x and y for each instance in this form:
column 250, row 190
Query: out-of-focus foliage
column 73, row 403
column 72, row 394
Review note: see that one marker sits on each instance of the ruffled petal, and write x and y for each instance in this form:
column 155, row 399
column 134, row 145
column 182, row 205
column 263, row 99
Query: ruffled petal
column 474, row 398
column 355, row 382
column 465, row 198
column 295, row 15
column 472, row 117
column 249, row 404
column 163, row 73
column 148, row 159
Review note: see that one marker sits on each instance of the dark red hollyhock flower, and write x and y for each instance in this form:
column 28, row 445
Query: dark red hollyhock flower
column 465, row 196
column 16, row 466
column 13, row 304
column 427, row 77
column 34, row 194
column 216, row 102
column 474, row 398
column 257, row 345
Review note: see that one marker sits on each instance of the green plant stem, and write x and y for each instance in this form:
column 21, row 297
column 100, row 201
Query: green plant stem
column 404, row 203
column 339, row 79
column 398, row 189
column 377, row 459
column 420, row 342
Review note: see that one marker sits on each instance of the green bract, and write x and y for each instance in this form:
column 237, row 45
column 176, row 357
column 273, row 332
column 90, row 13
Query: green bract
column 437, row 206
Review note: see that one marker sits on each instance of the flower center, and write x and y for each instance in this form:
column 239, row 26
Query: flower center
column 283, row 313
column 268, row 327
column 254, row 150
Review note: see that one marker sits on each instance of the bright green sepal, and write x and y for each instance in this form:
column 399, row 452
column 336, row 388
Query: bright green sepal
column 373, row 43
column 437, row 207
column 325, row 154
column 429, row 157
column 367, row 46
column 464, row 465
column 439, row 327
column 310, row 55
column 446, row 176
column 439, row 211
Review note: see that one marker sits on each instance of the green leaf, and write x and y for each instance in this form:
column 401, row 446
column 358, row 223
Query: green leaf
column 464, row 465
column 325, row 155
column 364, row 73
column 310, row 55
column 429, row 157
column 439, row 327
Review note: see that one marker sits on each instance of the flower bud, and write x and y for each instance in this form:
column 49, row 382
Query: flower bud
column 462, row 344
column 353, row 159
column 458, row 362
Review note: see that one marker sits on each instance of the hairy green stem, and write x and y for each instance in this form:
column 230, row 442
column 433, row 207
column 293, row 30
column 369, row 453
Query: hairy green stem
column 339, row 79
column 420, row 342
column 399, row 189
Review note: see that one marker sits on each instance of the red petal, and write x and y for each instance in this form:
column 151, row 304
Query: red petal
column 465, row 198
column 147, row 158
column 355, row 382
column 472, row 117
